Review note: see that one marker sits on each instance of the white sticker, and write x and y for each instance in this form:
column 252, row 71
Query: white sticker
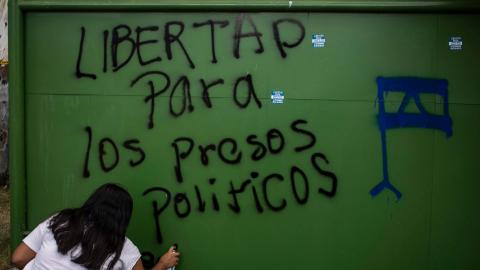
column 318, row 41
column 278, row 97
column 455, row 43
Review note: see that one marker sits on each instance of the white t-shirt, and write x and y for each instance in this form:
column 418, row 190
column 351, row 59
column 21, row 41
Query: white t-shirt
column 41, row 241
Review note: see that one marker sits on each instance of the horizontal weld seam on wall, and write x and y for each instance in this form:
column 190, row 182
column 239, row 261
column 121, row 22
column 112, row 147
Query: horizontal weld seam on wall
column 284, row 6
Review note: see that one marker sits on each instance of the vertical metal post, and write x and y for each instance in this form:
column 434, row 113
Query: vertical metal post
column 16, row 123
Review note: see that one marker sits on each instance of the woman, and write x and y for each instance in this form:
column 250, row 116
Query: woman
column 89, row 237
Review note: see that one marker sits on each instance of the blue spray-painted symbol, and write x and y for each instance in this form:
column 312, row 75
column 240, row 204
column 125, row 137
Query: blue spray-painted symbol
column 412, row 87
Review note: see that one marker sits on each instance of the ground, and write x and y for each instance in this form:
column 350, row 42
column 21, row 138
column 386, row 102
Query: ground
column 4, row 228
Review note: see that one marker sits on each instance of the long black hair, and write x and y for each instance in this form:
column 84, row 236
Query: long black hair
column 98, row 227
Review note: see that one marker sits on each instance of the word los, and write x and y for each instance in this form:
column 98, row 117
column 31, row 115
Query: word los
column 132, row 40
column 110, row 162
column 255, row 187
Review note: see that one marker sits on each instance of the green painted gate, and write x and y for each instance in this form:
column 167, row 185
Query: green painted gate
column 260, row 135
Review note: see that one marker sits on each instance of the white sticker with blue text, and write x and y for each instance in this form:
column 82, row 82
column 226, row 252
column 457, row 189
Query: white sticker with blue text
column 278, row 97
column 318, row 41
column 455, row 43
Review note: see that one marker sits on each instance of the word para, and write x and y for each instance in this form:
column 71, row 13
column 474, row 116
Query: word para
column 183, row 86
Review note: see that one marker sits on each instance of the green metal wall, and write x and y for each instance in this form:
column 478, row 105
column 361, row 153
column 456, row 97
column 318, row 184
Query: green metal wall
column 72, row 123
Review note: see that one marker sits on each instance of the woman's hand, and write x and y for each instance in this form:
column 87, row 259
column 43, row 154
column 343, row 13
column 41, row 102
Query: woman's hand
column 168, row 259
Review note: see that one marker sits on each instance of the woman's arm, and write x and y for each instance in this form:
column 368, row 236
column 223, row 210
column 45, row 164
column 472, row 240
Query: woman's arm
column 168, row 260
column 30, row 245
column 22, row 255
